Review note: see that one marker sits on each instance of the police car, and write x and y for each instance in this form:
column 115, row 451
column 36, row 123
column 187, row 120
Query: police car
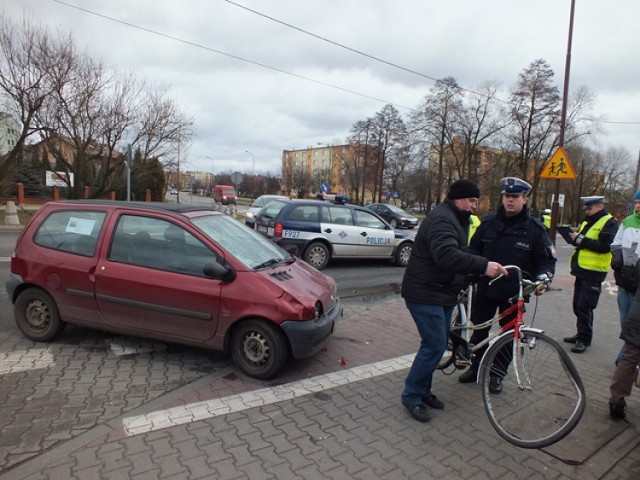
column 318, row 231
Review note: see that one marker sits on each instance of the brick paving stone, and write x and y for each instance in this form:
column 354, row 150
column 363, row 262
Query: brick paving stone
column 357, row 430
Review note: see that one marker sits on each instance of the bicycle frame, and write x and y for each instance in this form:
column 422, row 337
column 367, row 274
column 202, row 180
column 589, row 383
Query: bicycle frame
column 515, row 325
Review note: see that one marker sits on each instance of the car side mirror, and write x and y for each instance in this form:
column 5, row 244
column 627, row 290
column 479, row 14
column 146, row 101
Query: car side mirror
column 218, row 271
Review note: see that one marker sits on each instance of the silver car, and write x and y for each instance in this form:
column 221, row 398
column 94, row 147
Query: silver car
column 256, row 206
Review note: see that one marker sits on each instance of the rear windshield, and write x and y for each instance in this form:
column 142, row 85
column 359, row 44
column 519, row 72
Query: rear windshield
column 272, row 209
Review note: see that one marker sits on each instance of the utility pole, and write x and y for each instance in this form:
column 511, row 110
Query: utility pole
column 563, row 120
column 635, row 181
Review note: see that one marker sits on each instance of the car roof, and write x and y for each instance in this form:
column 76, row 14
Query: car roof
column 151, row 206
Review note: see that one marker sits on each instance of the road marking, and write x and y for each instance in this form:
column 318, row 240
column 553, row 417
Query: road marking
column 193, row 412
column 5, row 259
column 23, row 360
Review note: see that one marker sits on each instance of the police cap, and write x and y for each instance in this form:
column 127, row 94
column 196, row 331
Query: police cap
column 514, row 185
column 588, row 201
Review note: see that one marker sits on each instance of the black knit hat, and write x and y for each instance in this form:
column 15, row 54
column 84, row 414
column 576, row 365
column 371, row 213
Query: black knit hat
column 463, row 189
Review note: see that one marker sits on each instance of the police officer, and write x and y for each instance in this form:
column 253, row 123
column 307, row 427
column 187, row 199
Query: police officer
column 511, row 236
column 589, row 264
column 546, row 218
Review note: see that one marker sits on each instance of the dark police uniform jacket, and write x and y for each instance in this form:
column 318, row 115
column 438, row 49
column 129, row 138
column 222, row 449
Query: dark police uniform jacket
column 439, row 263
column 518, row 240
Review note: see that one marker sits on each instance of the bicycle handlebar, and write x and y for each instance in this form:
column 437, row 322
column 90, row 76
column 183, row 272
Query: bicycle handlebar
column 526, row 286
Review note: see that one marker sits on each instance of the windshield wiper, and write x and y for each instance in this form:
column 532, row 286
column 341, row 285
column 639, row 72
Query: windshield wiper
column 267, row 263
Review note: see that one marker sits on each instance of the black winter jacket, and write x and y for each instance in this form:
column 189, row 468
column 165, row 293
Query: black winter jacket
column 631, row 330
column 438, row 264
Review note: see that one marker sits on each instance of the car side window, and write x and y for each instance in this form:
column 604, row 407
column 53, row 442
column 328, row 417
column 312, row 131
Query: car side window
column 73, row 231
column 157, row 243
column 338, row 215
column 305, row 213
column 366, row 219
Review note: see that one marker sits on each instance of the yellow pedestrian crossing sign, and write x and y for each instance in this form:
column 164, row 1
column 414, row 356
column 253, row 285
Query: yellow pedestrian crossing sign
column 559, row 167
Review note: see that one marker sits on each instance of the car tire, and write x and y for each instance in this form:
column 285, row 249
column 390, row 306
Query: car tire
column 259, row 349
column 394, row 223
column 403, row 254
column 317, row 255
column 37, row 315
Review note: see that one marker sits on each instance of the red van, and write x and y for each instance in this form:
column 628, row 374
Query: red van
column 176, row 273
column 224, row 194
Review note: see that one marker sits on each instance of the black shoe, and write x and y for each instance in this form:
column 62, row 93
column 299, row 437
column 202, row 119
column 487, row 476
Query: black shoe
column 495, row 385
column 570, row 339
column 579, row 347
column 433, row 402
column 616, row 412
column 469, row 376
column 419, row 412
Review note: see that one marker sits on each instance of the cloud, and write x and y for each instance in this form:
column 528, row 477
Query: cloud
column 238, row 105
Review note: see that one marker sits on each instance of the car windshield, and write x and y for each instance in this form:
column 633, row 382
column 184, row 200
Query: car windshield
column 251, row 248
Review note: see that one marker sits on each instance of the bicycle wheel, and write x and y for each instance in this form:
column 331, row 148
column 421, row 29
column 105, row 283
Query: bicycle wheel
column 449, row 353
column 544, row 402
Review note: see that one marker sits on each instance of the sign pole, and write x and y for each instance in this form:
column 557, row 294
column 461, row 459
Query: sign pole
column 563, row 119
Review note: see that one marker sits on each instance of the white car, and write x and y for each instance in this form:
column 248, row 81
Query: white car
column 256, row 206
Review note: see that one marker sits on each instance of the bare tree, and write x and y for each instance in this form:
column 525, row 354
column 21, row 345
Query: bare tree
column 478, row 122
column 84, row 113
column 301, row 181
column 28, row 53
column 435, row 122
column 389, row 138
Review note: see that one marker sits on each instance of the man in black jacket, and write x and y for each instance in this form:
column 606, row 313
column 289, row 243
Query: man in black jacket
column 590, row 263
column 511, row 236
column 626, row 370
column 430, row 287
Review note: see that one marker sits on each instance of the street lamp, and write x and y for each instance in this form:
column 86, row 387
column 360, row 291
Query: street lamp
column 212, row 175
column 253, row 162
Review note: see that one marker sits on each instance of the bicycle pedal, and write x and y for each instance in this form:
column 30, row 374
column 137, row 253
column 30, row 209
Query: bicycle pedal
column 460, row 364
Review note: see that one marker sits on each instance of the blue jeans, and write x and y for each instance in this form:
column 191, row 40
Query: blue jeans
column 433, row 326
column 625, row 299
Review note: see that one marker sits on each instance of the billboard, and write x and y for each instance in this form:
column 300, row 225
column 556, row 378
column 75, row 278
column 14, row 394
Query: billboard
column 59, row 179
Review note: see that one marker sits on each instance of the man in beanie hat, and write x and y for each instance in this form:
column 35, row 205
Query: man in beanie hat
column 625, row 251
column 590, row 263
column 511, row 236
column 432, row 280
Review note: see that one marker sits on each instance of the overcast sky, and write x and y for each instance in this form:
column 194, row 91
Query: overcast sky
column 289, row 90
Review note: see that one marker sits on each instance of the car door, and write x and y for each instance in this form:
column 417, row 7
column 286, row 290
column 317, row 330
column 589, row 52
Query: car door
column 338, row 226
column 375, row 238
column 151, row 280
column 67, row 251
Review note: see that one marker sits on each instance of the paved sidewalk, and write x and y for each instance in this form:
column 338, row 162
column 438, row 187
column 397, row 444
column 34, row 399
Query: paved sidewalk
column 337, row 415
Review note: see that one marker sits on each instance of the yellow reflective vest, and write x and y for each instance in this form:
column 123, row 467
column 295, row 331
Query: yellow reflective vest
column 546, row 220
column 590, row 260
column 474, row 221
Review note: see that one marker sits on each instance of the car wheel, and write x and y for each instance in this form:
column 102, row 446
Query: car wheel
column 403, row 254
column 394, row 223
column 317, row 255
column 259, row 348
column 37, row 316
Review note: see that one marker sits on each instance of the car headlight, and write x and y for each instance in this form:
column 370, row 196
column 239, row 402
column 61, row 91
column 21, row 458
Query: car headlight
column 318, row 310
column 249, row 215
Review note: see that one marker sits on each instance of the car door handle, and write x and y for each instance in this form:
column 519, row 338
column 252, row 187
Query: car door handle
column 364, row 234
column 327, row 230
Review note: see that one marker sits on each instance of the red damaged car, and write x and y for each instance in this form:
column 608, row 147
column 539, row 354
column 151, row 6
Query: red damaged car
column 177, row 273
